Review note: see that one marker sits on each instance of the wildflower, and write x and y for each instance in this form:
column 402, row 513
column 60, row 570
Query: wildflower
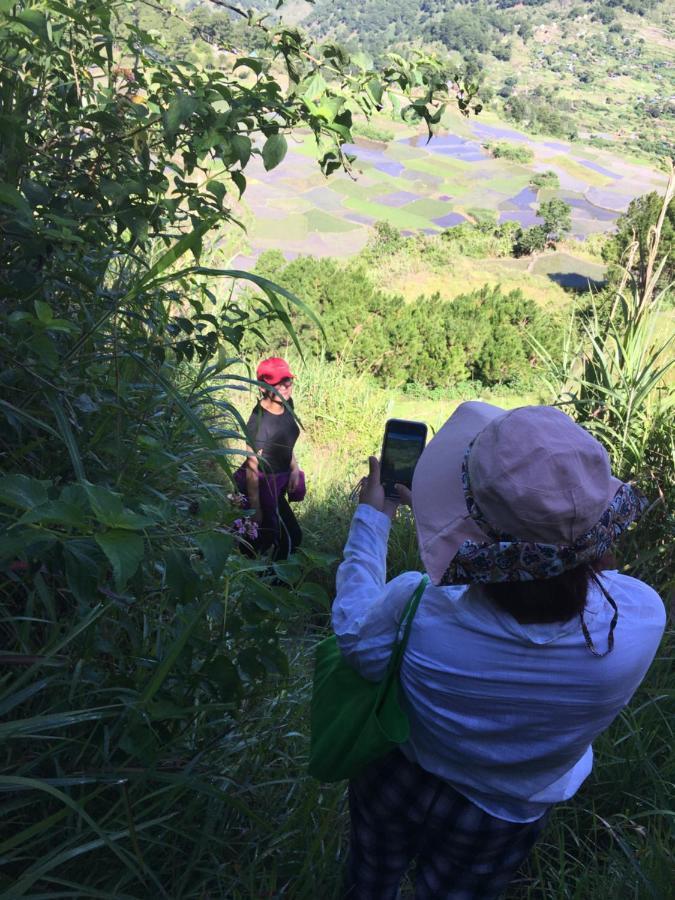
column 247, row 528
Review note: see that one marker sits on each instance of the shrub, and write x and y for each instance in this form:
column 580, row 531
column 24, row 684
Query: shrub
column 557, row 216
column 373, row 132
column 481, row 240
column 630, row 246
column 431, row 342
column 546, row 179
column 530, row 240
column 514, row 152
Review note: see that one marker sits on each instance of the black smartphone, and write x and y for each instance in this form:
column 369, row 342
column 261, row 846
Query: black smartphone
column 401, row 448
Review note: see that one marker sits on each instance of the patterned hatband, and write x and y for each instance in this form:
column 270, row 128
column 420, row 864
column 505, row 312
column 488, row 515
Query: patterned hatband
column 506, row 558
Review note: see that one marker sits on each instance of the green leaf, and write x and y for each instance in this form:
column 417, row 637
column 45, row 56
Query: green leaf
column 11, row 197
column 313, row 87
column 217, row 188
column 36, row 22
column 43, row 311
column 52, row 722
column 22, row 491
column 315, row 594
column 33, row 873
column 125, row 551
column 329, row 162
column 375, row 90
column 216, row 547
column 330, row 108
column 242, row 148
column 181, row 580
column 288, row 570
column 256, row 65
column 190, row 242
column 176, row 649
column 178, row 112
column 362, row 61
column 224, row 673
column 56, row 513
column 65, row 428
column 273, row 151
column 108, row 509
column 83, row 561
column 240, row 180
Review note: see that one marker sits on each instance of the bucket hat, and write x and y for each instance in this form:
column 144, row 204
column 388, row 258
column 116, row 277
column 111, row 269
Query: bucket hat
column 516, row 495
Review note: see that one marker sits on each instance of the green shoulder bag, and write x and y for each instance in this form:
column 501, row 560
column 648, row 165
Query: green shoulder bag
column 355, row 721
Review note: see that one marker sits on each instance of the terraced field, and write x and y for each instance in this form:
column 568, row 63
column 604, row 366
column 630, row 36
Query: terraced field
column 421, row 186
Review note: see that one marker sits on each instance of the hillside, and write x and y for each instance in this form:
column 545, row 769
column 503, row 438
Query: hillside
column 425, row 188
column 599, row 71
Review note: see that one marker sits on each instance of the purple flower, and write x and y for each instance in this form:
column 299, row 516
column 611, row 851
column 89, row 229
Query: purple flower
column 246, row 528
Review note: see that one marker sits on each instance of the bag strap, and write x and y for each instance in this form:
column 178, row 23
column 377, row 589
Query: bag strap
column 406, row 621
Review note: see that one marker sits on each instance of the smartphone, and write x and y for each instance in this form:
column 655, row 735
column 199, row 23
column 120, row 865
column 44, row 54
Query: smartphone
column 401, row 448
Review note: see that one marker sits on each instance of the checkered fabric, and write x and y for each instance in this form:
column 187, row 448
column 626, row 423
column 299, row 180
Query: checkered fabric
column 400, row 813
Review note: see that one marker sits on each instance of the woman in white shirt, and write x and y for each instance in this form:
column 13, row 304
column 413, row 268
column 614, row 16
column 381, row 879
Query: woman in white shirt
column 525, row 646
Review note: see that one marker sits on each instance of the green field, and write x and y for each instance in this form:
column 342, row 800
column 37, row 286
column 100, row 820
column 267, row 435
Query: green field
column 317, row 220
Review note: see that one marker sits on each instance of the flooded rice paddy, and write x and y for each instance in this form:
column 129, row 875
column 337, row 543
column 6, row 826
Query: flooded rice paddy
column 424, row 187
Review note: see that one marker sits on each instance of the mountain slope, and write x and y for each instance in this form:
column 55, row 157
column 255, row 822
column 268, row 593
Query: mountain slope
column 596, row 70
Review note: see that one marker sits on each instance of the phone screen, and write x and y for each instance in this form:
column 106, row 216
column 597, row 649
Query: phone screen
column 403, row 444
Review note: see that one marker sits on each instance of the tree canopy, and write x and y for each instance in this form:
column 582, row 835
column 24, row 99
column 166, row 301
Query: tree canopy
column 635, row 227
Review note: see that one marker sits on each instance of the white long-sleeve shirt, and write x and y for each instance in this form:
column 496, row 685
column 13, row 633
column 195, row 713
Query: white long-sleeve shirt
column 504, row 712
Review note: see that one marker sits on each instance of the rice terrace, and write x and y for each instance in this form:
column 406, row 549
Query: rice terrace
column 424, row 186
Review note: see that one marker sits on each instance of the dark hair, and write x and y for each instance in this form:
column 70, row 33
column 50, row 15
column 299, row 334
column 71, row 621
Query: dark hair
column 556, row 599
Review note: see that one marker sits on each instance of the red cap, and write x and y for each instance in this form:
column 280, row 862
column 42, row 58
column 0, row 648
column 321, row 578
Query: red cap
column 274, row 370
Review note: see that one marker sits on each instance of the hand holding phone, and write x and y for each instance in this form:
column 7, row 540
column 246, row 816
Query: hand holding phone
column 371, row 492
column 402, row 446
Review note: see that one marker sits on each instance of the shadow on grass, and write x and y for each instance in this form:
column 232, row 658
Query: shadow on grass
column 575, row 281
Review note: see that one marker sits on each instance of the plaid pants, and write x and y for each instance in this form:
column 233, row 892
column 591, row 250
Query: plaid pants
column 399, row 812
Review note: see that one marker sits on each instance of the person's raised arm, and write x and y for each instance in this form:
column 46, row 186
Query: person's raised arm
column 367, row 611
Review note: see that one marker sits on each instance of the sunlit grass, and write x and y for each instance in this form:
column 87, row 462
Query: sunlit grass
column 465, row 275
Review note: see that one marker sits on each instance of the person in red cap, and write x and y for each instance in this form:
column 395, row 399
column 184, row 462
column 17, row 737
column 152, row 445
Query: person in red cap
column 271, row 474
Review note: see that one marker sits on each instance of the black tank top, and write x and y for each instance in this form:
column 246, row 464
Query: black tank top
column 275, row 436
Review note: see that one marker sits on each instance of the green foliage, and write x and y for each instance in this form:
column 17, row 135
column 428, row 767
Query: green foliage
column 487, row 239
column 470, row 30
column 431, row 342
column 546, row 179
column 530, row 240
column 630, row 246
column 514, row 152
column 559, row 79
column 385, row 240
column 373, row 132
column 542, row 111
column 623, row 392
column 557, row 216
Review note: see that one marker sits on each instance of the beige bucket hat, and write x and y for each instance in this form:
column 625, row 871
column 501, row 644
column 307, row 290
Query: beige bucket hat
column 516, row 495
